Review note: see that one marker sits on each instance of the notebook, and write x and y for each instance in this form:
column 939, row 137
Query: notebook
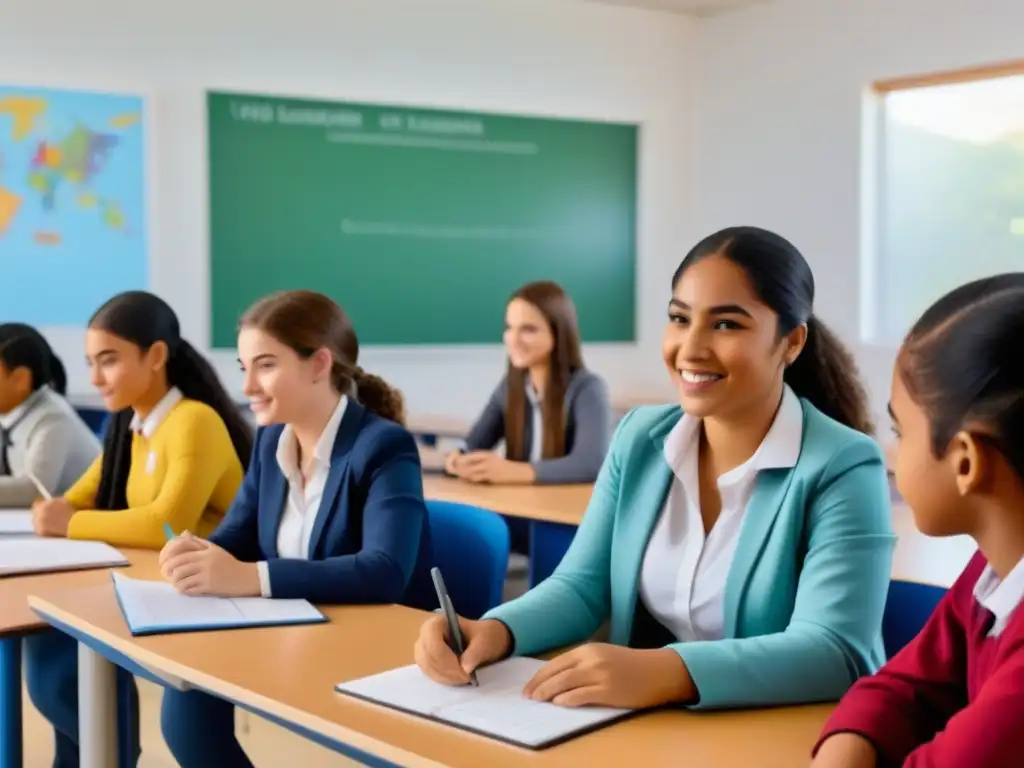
column 16, row 522
column 496, row 709
column 20, row 555
column 154, row 607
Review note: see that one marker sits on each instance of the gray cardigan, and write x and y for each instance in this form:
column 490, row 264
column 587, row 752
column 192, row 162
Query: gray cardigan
column 588, row 430
column 51, row 440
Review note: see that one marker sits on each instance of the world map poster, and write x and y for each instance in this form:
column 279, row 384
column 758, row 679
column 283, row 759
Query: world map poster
column 72, row 202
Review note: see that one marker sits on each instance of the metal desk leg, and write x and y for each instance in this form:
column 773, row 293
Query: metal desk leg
column 97, row 710
column 10, row 703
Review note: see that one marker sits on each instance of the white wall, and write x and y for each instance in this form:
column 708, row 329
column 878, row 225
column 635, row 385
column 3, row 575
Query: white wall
column 535, row 56
column 780, row 95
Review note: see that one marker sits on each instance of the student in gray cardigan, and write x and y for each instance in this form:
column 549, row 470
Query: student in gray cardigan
column 42, row 438
column 552, row 413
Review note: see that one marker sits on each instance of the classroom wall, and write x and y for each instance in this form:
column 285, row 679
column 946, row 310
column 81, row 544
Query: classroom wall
column 780, row 94
column 546, row 57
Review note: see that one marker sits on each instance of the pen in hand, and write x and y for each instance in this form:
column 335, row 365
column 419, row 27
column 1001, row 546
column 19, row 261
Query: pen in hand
column 39, row 486
column 454, row 631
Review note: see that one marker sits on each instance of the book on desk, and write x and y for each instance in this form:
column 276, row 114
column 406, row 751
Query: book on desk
column 496, row 709
column 156, row 608
column 16, row 522
column 21, row 555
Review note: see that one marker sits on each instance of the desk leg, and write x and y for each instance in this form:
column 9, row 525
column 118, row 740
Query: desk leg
column 97, row 710
column 548, row 544
column 10, row 703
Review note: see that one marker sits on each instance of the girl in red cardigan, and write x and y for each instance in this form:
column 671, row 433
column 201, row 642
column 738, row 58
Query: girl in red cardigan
column 954, row 697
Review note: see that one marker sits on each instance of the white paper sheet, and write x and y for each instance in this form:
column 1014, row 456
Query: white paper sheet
column 27, row 554
column 16, row 522
column 497, row 708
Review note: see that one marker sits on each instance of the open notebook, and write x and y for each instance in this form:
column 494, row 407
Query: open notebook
column 21, row 555
column 496, row 709
column 153, row 607
column 16, row 522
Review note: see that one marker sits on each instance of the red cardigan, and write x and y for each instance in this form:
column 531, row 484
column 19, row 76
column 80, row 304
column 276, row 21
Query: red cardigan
column 952, row 698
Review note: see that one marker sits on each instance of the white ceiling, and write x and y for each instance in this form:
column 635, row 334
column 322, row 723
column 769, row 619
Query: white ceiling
column 694, row 7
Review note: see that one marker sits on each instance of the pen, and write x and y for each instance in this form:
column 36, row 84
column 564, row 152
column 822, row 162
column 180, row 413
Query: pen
column 168, row 531
column 39, row 486
column 454, row 633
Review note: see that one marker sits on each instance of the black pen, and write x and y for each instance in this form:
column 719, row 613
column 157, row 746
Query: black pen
column 454, row 632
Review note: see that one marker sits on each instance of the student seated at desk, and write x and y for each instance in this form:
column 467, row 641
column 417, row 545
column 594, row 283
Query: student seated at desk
column 953, row 697
column 173, row 452
column 331, row 509
column 42, row 438
column 741, row 545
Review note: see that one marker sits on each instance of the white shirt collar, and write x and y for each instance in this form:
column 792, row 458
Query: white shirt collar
column 148, row 426
column 13, row 416
column 1001, row 597
column 288, row 448
column 780, row 448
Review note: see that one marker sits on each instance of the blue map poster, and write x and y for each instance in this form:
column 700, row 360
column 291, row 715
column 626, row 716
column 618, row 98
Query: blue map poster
column 73, row 227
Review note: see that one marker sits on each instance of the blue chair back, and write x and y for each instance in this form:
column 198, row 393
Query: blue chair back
column 471, row 548
column 906, row 611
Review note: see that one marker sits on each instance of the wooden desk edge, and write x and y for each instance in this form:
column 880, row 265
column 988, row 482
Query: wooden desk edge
column 161, row 665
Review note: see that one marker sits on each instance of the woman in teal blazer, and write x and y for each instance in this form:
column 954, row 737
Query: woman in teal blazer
column 739, row 547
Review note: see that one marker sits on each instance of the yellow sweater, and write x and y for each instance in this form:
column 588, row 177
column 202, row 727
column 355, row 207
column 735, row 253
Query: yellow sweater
column 186, row 474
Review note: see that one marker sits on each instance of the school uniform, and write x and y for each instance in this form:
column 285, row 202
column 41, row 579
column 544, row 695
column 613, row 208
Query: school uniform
column 355, row 532
column 780, row 603
column 43, row 436
column 953, row 696
column 184, row 471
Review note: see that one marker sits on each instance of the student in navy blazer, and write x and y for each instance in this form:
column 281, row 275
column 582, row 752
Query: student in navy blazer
column 331, row 509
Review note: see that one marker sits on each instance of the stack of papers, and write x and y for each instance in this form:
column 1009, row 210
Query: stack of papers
column 154, row 607
column 497, row 708
column 16, row 522
column 21, row 555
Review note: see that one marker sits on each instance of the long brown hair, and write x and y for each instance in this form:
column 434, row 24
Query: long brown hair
column 307, row 321
column 566, row 358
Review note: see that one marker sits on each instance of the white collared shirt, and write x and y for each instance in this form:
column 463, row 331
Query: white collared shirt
column 683, row 577
column 146, row 427
column 302, row 504
column 1001, row 597
column 536, row 425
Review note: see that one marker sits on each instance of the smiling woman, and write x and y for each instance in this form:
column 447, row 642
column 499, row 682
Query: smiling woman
column 740, row 545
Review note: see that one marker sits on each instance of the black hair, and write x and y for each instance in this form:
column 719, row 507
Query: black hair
column 825, row 372
column 22, row 346
column 145, row 319
column 962, row 363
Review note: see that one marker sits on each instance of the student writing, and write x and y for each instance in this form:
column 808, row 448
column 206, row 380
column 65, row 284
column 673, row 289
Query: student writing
column 740, row 544
column 953, row 696
column 42, row 439
column 173, row 452
column 331, row 509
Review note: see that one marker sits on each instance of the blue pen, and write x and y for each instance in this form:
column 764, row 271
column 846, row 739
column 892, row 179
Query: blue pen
column 168, row 531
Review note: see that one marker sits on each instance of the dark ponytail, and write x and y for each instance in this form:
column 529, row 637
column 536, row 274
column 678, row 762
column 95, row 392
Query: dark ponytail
column 22, row 346
column 824, row 373
column 145, row 319
column 379, row 396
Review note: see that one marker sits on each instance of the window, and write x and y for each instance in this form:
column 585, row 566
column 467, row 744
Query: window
column 949, row 191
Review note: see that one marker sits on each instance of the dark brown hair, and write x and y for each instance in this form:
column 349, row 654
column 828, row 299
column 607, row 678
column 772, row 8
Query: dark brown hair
column 825, row 372
column 962, row 363
column 307, row 321
column 566, row 358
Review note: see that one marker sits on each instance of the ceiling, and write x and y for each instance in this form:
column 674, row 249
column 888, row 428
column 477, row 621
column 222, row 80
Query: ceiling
column 693, row 7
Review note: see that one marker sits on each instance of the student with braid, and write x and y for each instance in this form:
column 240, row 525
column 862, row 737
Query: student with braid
column 175, row 451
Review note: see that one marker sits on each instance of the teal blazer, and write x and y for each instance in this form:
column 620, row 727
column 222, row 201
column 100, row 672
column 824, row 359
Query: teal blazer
column 806, row 591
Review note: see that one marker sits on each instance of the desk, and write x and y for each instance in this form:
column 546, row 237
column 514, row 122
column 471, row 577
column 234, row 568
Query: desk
column 18, row 620
column 287, row 674
column 431, row 426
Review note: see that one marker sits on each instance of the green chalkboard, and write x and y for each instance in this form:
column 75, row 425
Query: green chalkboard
column 419, row 222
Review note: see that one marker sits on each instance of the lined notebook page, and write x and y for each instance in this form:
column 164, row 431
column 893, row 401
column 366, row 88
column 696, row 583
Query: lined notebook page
column 154, row 606
column 25, row 554
column 497, row 708
column 16, row 522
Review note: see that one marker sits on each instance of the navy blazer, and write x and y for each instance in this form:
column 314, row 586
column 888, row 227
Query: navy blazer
column 371, row 538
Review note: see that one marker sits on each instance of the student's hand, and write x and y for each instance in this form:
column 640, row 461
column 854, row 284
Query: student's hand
column 51, row 517
column 846, row 750
column 485, row 642
column 613, row 676
column 451, row 463
column 179, row 545
column 211, row 570
column 489, row 467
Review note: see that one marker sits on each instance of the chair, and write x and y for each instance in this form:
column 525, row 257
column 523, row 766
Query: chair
column 471, row 547
column 907, row 608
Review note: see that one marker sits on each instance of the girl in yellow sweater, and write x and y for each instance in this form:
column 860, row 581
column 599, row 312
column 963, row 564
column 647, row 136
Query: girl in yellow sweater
column 175, row 450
